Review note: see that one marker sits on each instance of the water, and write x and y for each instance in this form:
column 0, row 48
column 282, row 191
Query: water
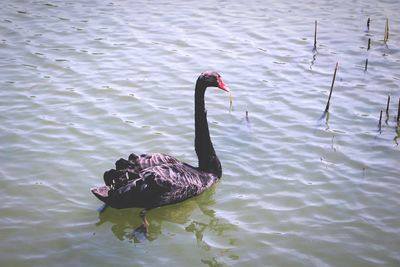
column 84, row 83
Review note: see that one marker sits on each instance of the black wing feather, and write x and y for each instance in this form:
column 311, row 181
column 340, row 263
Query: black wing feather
column 152, row 180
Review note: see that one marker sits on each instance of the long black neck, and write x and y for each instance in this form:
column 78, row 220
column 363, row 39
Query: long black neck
column 208, row 160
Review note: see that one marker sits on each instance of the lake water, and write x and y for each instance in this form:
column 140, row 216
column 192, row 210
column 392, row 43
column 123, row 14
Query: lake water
column 83, row 83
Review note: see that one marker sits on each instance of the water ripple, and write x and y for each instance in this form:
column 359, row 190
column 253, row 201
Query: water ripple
column 85, row 83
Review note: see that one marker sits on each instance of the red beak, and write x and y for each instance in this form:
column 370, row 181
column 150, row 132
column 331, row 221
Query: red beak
column 222, row 85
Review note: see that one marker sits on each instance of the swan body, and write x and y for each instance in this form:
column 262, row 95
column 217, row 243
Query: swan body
column 153, row 180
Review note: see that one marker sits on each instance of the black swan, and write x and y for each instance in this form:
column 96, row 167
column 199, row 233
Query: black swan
column 152, row 180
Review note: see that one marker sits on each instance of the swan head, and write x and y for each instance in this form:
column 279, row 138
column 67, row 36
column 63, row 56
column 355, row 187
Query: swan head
column 213, row 79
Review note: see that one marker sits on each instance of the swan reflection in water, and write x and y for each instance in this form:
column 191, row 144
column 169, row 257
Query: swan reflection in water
column 126, row 224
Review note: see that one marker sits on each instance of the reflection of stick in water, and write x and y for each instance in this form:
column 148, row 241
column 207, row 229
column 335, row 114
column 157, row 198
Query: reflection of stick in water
column 230, row 102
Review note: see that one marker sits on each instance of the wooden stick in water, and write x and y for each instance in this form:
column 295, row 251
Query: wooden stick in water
column 369, row 44
column 387, row 105
column 387, row 110
column 368, row 21
column 387, row 27
column 315, row 36
column 366, row 65
column 380, row 123
column 398, row 114
column 330, row 93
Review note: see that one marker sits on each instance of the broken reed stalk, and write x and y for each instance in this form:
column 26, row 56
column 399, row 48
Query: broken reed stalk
column 369, row 44
column 386, row 34
column 366, row 65
column 315, row 36
column 368, row 21
column 380, row 123
column 330, row 93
